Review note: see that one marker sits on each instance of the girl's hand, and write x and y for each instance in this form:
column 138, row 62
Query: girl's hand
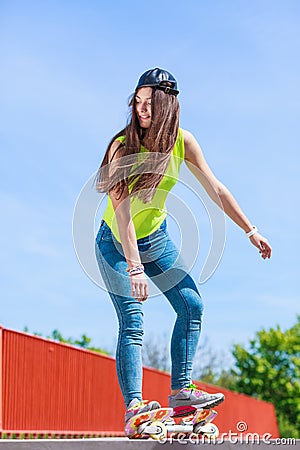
column 262, row 244
column 139, row 287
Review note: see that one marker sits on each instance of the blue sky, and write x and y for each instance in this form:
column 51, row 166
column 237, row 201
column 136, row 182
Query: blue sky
column 67, row 69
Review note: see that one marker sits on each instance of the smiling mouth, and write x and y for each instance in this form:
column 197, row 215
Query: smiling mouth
column 144, row 117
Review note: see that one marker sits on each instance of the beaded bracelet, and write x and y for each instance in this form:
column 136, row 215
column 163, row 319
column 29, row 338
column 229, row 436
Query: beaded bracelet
column 135, row 270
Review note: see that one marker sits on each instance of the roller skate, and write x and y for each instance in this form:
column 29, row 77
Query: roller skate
column 143, row 415
column 192, row 397
column 189, row 413
column 193, row 406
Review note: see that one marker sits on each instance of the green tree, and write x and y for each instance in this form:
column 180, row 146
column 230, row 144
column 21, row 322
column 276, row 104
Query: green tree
column 83, row 342
column 269, row 369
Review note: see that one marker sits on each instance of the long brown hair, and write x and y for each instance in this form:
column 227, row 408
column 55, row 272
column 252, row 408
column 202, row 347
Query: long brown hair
column 159, row 140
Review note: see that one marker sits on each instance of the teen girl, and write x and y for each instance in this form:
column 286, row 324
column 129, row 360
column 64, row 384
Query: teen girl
column 140, row 167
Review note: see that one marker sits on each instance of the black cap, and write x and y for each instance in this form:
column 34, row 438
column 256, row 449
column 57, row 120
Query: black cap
column 158, row 78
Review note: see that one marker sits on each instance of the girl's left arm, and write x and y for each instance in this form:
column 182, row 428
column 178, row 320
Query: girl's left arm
column 219, row 193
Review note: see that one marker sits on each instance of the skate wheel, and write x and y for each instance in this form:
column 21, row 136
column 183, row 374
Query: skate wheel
column 198, row 428
column 161, row 431
column 210, row 430
column 142, row 427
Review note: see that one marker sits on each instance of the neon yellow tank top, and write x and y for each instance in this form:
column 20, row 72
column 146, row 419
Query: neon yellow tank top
column 147, row 217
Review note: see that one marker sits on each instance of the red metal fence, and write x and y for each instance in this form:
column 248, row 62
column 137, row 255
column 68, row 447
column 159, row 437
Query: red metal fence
column 51, row 388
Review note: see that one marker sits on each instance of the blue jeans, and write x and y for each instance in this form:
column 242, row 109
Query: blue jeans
column 164, row 266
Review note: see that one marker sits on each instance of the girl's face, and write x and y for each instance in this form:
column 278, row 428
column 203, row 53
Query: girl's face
column 143, row 106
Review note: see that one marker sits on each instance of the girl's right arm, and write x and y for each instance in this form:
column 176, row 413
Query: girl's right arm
column 121, row 205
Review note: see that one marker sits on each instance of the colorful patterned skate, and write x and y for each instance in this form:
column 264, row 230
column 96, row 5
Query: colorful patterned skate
column 135, row 427
column 159, row 424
